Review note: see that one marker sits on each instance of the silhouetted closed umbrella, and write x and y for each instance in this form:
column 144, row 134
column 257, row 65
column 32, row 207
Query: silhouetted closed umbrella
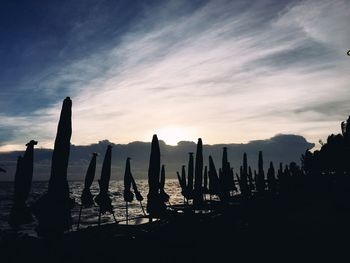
column 183, row 178
column 205, row 180
column 155, row 206
column 128, row 195
column 182, row 185
column 138, row 195
column 198, row 179
column 260, row 181
column 20, row 213
column 213, row 178
column 163, row 195
column 244, row 177
column 271, row 179
column 102, row 199
column 53, row 209
column 190, row 173
column 182, row 181
column 225, row 176
column 19, row 206
column 87, row 199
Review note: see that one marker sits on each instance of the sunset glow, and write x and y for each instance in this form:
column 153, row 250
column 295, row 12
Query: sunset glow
column 172, row 135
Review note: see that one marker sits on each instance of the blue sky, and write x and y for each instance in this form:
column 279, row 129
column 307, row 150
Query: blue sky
column 226, row 71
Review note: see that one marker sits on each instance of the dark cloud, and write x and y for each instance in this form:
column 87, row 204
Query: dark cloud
column 335, row 109
column 280, row 148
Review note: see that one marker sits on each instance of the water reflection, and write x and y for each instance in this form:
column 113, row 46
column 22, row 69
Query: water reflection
column 89, row 216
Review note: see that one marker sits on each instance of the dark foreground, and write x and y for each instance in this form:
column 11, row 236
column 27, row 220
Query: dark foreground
column 263, row 228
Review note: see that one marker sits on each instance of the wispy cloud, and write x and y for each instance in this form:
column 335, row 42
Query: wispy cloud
column 227, row 71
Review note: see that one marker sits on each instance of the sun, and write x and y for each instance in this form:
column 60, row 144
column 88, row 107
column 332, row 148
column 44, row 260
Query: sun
column 172, row 135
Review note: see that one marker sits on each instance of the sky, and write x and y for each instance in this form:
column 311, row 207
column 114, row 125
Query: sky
column 225, row 71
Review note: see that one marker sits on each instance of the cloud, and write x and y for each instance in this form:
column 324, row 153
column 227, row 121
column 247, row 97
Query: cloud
column 172, row 156
column 228, row 71
column 324, row 21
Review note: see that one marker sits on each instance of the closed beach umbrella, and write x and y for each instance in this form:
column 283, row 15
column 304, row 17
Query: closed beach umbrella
column 190, row 174
column 183, row 176
column 20, row 213
column 205, row 186
column 128, row 195
column 86, row 197
column 198, row 179
column 213, row 178
column 155, row 206
column 138, row 195
column 102, row 199
column 182, row 181
column 163, row 195
column 53, row 209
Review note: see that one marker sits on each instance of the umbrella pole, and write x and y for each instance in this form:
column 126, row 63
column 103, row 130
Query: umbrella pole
column 143, row 210
column 115, row 220
column 99, row 217
column 81, row 208
column 127, row 214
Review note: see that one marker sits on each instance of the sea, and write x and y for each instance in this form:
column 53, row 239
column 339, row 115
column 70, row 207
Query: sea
column 89, row 216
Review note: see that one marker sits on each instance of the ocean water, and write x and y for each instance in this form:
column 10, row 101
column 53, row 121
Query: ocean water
column 89, row 216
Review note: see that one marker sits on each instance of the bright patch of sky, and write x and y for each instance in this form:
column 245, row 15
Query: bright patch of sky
column 225, row 71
